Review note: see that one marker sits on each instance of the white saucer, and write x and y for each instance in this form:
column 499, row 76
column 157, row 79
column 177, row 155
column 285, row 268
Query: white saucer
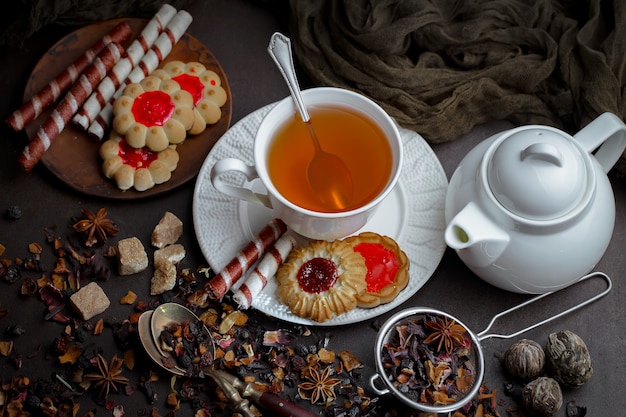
column 412, row 214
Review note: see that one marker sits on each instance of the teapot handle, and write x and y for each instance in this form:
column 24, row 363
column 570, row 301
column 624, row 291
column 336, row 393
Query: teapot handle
column 607, row 134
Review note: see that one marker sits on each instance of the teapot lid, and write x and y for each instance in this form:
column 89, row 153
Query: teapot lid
column 537, row 173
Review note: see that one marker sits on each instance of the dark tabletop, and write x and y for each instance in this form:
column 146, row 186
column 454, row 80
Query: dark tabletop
column 237, row 33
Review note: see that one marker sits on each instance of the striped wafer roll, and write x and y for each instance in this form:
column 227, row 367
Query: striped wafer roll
column 59, row 117
column 266, row 269
column 134, row 53
column 30, row 110
column 217, row 287
column 151, row 60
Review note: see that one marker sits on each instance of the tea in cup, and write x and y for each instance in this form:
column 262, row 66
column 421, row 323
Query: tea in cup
column 347, row 125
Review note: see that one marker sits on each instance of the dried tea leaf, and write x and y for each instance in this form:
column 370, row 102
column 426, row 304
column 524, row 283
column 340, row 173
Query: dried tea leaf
column 29, row 287
column 129, row 298
column 58, row 281
column 129, row 359
column 71, row 356
column 349, row 360
column 209, row 317
column 326, row 356
column 118, row 411
column 234, row 318
column 43, row 281
column 60, row 267
column 172, row 400
column 14, row 409
column 99, row 327
column 99, row 267
column 34, row 248
column 278, row 337
column 6, row 346
column 55, row 301
column 229, row 359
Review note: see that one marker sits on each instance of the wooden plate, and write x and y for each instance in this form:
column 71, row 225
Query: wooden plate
column 74, row 158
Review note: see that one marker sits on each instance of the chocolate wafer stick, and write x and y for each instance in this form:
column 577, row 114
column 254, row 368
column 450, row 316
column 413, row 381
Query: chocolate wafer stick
column 30, row 110
column 134, row 53
column 219, row 285
column 266, row 269
column 59, row 117
column 151, row 60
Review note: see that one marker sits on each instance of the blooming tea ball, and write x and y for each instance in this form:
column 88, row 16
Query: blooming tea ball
column 525, row 359
column 542, row 397
column 568, row 359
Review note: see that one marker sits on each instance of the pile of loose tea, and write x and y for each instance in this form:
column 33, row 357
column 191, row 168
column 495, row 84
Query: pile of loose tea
column 190, row 345
column 429, row 360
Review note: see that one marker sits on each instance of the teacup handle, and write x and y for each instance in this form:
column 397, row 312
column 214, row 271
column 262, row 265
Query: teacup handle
column 236, row 165
column 607, row 133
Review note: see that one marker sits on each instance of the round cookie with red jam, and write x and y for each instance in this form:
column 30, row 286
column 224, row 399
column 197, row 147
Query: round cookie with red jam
column 387, row 268
column 321, row 280
column 204, row 86
column 136, row 168
column 155, row 113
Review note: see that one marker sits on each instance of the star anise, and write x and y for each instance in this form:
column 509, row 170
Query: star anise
column 319, row 386
column 446, row 332
column 96, row 227
column 109, row 375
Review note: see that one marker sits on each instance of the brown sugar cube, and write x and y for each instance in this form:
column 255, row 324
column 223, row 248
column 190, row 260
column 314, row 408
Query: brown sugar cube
column 89, row 301
column 169, row 229
column 172, row 254
column 132, row 257
column 164, row 278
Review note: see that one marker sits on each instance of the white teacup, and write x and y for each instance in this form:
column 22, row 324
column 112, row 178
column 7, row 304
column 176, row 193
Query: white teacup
column 314, row 224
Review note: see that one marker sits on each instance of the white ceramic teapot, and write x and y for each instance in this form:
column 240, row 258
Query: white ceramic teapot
column 531, row 210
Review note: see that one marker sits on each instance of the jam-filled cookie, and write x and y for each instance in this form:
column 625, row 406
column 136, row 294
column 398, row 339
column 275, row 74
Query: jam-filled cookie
column 136, row 168
column 205, row 87
column 321, row 280
column 155, row 112
column 387, row 268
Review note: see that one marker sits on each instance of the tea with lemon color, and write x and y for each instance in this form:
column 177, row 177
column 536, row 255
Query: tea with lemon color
column 350, row 135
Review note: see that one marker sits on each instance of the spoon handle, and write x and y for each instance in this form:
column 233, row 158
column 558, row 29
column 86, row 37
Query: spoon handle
column 279, row 49
column 283, row 408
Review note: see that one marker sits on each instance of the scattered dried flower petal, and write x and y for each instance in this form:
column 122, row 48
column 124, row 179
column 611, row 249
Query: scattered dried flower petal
column 129, row 359
column 234, row 318
column 29, row 287
column 326, row 356
column 99, row 327
column 71, row 355
column 35, row 248
column 349, row 360
column 129, row 298
column 6, row 346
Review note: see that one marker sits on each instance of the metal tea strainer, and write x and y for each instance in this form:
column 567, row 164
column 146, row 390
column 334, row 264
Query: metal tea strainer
column 388, row 332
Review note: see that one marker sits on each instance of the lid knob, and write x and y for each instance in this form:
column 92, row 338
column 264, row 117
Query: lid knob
column 537, row 173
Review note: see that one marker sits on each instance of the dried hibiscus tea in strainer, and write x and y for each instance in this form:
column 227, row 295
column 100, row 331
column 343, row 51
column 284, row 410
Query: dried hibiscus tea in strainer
column 430, row 359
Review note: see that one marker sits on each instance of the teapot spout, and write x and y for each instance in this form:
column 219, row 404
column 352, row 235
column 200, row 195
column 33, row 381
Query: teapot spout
column 477, row 239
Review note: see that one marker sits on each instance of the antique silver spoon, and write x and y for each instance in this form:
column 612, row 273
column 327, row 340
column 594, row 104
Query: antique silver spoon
column 336, row 193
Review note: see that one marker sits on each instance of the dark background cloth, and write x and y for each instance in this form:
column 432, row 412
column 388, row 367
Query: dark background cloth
column 441, row 67
column 26, row 17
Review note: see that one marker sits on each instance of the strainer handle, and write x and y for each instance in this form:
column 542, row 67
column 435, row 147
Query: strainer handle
column 379, row 391
column 484, row 335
